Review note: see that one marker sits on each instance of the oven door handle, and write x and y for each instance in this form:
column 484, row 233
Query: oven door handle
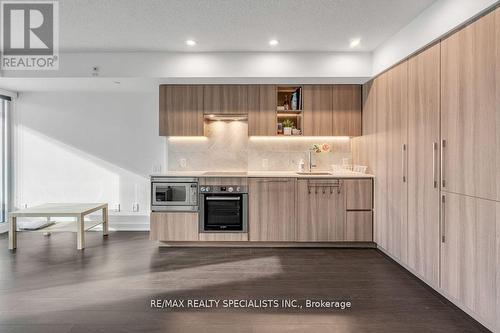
column 224, row 198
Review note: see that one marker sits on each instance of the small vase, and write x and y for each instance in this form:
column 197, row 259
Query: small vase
column 287, row 130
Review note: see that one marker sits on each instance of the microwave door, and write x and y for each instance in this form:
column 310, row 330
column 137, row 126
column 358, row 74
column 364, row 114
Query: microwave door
column 171, row 194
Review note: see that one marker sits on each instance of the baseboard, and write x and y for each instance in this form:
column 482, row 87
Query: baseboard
column 439, row 291
column 363, row 245
column 4, row 227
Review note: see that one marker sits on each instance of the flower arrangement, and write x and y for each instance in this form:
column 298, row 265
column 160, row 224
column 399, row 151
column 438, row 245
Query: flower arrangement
column 320, row 148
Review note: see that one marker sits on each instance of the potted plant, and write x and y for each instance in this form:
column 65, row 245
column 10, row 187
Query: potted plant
column 287, row 127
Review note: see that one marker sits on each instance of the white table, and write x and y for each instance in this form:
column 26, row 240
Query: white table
column 77, row 210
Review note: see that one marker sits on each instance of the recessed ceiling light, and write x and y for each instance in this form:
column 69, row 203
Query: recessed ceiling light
column 354, row 42
column 273, row 42
column 190, row 42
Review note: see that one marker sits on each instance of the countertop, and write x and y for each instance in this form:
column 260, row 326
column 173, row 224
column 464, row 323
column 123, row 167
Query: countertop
column 258, row 174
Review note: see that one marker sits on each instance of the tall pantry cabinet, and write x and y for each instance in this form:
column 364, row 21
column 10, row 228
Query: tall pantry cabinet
column 391, row 160
column 423, row 164
column 431, row 136
column 470, row 176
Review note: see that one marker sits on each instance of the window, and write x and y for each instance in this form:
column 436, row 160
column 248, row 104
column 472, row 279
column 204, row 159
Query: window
column 5, row 157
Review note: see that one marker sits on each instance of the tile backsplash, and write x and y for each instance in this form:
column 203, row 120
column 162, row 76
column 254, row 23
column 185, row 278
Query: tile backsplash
column 227, row 147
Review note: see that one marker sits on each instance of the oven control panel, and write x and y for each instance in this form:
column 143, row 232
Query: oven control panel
column 223, row 189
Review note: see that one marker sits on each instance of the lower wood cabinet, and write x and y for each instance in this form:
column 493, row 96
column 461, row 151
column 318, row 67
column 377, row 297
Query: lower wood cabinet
column 359, row 194
column 359, row 226
column 271, row 212
column 468, row 253
column 174, row 226
column 320, row 210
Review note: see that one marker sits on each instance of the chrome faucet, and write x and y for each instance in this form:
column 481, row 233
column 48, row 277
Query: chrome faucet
column 311, row 165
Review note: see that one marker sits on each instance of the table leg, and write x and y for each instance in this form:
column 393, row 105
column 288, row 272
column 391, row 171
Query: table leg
column 13, row 233
column 80, row 232
column 105, row 221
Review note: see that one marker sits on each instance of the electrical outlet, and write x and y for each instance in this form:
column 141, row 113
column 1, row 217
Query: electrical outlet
column 183, row 162
column 156, row 168
column 265, row 163
column 135, row 207
column 117, row 208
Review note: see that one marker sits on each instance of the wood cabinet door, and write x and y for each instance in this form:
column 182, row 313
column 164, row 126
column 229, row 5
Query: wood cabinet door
column 317, row 113
column 181, row 110
column 320, row 211
column 391, row 163
column 262, row 109
column 470, row 74
column 271, row 212
column 359, row 226
column 423, row 163
column 468, row 252
column 173, row 226
column 346, row 110
column 359, row 194
column 225, row 99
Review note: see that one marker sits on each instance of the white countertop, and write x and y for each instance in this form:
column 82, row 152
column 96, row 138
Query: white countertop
column 256, row 174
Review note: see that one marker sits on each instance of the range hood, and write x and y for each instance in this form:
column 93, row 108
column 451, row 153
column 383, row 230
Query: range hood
column 226, row 117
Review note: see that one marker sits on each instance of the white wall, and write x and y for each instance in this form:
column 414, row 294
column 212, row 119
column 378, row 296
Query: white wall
column 87, row 147
column 434, row 22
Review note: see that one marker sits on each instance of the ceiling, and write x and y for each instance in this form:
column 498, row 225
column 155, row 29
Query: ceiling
column 231, row 25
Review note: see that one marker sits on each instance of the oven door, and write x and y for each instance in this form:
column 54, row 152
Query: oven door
column 223, row 212
column 172, row 194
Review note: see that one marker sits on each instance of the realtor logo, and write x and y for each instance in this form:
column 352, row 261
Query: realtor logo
column 30, row 35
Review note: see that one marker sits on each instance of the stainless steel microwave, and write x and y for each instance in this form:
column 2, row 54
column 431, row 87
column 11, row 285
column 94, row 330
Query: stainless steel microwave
column 174, row 194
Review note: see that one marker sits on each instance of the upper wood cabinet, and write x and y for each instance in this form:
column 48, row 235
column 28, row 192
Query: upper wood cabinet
column 423, row 163
column 320, row 210
column 181, row 110
column 225, row 99
column 262, row 109
column 332, row 110
column 470, row 111
column 346, row 106
column 318, row 105
column 271, row 212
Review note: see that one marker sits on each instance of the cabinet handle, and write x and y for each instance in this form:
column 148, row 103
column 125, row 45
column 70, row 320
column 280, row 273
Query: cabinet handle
column 443, row 218
column 434, row 152
column 273, row 180
column 403, row 164
column 443, row 146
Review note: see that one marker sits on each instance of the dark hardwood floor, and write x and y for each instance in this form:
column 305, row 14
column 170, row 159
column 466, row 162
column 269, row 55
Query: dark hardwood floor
column 49, row 286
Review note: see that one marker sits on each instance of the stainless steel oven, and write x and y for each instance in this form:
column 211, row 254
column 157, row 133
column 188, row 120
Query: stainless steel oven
column 174, row 194
column 223, row 208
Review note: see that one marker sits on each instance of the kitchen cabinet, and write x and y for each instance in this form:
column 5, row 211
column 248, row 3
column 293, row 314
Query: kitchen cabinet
column 318, row 105
column 359, row 226
column 225, row 99
column 271, row 212
column 181, row 110
column 423, row 163
column 346, row 110
column 320, row 210
column 468, row 253
column 391, row 161
column 174, row 226
column 470, row 112
column 359, row 194
column 262, row 109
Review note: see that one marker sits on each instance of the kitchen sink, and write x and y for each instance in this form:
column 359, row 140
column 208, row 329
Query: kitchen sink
column 313, row 173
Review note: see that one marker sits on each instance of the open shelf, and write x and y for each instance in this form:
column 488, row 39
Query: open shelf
column 288, row 107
